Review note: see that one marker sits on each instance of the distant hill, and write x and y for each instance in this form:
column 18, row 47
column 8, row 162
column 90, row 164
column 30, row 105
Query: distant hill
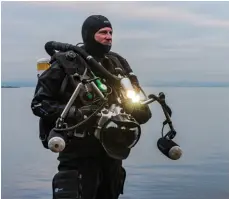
column 10, row 87
column 155, row 84
column 18, row 84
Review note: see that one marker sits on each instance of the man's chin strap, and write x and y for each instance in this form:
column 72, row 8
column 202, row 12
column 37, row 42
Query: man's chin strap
column 96, row 49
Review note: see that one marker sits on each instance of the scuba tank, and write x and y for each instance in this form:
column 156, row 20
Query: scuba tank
column 42, row 65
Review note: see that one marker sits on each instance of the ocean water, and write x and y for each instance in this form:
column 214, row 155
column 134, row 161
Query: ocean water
column 200, row 116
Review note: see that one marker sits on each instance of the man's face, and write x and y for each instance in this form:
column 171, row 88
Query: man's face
column 104, row 36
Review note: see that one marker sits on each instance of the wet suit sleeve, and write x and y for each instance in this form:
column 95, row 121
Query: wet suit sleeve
column 141, row 113
column 123, row 62
column 128, row 70
column 45, row 102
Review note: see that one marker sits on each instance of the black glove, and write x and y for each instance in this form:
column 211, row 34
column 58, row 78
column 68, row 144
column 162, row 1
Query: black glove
column 78, row 114
column 141, row 113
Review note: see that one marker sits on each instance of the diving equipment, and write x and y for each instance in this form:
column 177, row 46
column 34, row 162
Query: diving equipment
column 169, row 148
column 113, row 122
column 42, row 65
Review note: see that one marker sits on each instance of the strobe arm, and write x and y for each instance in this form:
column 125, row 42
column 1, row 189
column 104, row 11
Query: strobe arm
column 166, row 109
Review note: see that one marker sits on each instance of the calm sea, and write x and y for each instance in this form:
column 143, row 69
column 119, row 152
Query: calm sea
column 200, row 116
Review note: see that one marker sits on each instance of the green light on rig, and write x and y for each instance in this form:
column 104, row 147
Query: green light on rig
column 89, row 95
column 101, row 86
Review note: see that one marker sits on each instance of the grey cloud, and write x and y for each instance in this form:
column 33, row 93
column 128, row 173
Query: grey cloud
column 160, row 40
column 213, row 9
column 143, row 10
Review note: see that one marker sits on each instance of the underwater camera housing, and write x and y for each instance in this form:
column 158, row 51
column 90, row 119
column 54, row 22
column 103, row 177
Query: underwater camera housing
column 117, row 130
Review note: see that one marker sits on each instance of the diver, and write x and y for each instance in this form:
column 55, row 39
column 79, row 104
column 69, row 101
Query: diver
column 85, row 170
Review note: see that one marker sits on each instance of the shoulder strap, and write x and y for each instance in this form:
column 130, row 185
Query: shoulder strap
column 71, row 63
column 63, row 85
column 68, row 61
column 118, row 58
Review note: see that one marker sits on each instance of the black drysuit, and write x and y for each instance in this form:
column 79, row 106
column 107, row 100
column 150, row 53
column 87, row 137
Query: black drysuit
column 85, row 169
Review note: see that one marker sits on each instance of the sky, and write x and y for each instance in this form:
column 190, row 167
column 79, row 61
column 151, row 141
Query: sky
column 162, row 41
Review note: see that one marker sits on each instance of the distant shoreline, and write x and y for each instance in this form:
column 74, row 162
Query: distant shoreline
column 10, row 87
column 150, row 84
column 156, row 86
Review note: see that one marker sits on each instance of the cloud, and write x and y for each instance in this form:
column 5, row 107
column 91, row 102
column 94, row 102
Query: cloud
column 166, row 39
column 140, row 10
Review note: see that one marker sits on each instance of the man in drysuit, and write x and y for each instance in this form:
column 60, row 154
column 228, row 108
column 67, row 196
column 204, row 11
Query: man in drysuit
column 85, row 169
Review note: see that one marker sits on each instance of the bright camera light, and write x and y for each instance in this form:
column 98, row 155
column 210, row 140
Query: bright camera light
column 136, row 98
column 131, row 94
